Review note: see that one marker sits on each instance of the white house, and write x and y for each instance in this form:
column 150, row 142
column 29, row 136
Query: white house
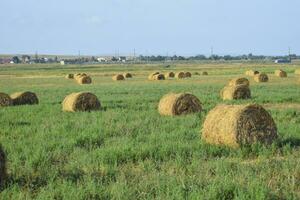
column 101, row 59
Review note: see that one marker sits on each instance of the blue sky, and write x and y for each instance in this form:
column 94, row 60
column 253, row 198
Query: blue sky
column 185, row 27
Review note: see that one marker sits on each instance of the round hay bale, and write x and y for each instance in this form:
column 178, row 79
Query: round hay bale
column 179, row 104
column 187, row 75
column 150, row 77
column 180, row 75
column 3, row 173
column 170, row 75
column 83, row 80
column 127, row 75
column 297, row 71
column 251, row 72
column 238, row 125
column 262, row 77
column 280, row 73
column 69, row 76
column 118, row 77
column 81, row 101
column 204, row 73
column 5, row 100
column 24, row 98
column 235, row 92
column 239, row 81
column 197, row 73
column 78, row 75
column 158, row 77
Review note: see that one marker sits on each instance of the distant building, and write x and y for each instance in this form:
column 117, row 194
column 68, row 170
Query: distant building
column 278, row 61
column 62, row 62
column 25, row 59
column 101, row 59
column 122, row 59
column 5, row 60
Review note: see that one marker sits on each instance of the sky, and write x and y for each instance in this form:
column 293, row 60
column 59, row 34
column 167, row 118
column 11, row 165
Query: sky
column 165, row 27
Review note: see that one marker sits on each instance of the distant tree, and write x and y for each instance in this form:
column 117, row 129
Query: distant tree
column 114, row 59
column 16, row 59
column 228, row 57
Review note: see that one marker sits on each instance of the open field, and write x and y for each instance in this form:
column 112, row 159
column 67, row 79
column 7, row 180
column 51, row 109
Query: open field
column 128, row 151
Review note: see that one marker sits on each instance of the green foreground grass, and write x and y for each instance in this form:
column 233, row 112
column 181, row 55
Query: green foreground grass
column 128, row 151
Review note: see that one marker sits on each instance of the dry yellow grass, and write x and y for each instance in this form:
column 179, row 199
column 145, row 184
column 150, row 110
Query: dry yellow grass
column 81, row 101
column 237, row 125
column 24, row 98
column 179, row 104
column 297, row 71
column 262, row 77
column 5, row 100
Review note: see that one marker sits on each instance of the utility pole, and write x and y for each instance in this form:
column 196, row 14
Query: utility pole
column 134, row 55
column 36, row 56
column 290, row 57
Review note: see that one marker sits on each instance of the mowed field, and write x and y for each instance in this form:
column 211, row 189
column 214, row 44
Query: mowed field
column 128, row 151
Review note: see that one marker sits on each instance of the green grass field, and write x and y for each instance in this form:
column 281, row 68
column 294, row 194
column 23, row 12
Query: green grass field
column 128, row 151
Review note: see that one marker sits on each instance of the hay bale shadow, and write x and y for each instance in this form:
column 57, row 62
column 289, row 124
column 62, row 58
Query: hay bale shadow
column 292, row 142
column 21, row 123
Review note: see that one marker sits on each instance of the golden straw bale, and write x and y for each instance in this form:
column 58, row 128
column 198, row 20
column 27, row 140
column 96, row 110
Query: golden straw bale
column 179, row 104
column 180, row 75
column 237, row 125
column 81, row 101
column 170, row 75
column 150, row 77
column 118, row 77
column 24, row 98
column 239, row 81
column 235, row 92
column 3, row 173
column 280, row 73
column 158, row 77
column 83, row 80
column 5, row 100
column 262, row 77
column 251, row 72
column 187, row 75
column 78, row 75
column 127, row 75
column 69, row 76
